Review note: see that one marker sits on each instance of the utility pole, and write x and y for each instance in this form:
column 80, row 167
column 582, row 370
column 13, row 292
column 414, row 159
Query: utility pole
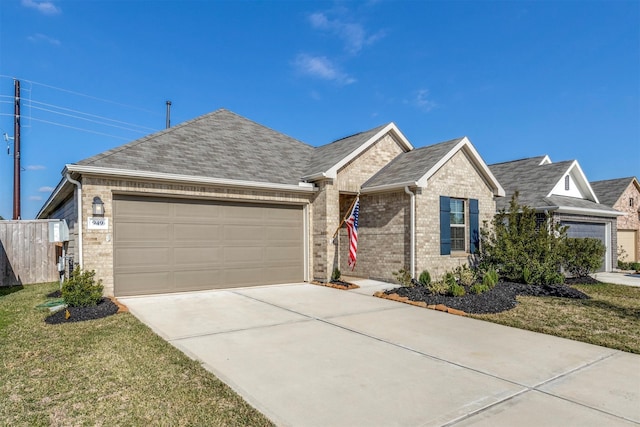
column 16, row 152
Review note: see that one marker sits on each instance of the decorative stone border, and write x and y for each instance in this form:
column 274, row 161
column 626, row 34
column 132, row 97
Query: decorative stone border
column 336, row 285
column 121, row 307
column 439, row 307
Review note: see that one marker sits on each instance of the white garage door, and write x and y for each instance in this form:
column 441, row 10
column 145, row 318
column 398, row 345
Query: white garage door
column 172, row 245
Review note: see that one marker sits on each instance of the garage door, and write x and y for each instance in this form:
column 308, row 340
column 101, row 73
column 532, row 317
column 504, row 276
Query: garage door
column 172, row 245
column 588, row 229
column 627, row 239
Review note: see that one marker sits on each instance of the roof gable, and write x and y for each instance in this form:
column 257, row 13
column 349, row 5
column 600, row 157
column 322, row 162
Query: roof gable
column 220, row 145
column 609, row 191
column 326, row 160
column 415, row 167
column 573, row 183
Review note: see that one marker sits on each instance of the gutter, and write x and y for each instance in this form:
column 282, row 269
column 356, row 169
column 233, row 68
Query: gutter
column 413, row 230
column 389, row 187
column 79, row 222
column 301, row 186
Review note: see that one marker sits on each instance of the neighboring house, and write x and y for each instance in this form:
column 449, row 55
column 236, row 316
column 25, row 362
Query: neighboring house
column 562, row 190
column 623, row 194
column 221, row 201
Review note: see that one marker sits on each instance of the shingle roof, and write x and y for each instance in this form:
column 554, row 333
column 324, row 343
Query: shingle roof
column 529, row 178
column 327, row 156
column 534, row 182
column 411, row 166
column 220, row 144
column 610, row 190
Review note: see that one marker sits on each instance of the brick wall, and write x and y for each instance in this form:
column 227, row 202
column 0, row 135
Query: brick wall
column 631, row 218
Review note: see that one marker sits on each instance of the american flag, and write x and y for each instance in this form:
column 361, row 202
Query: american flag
column 352, row 230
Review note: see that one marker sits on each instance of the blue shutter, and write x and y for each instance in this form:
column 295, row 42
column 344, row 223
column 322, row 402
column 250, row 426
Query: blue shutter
column 474, row 226
column 445, row 226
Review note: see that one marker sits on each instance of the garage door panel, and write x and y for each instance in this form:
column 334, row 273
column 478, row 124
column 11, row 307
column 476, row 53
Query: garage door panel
column 196, row 232
column 135, row 232
column 147, row 257
column 204, row 244
column 145, row 283
column 588, row 229
column 193, row 256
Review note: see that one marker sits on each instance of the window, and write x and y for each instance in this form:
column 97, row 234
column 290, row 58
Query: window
column 457, row 222
column 630, row 202
column 567, row 180
column 459, row 225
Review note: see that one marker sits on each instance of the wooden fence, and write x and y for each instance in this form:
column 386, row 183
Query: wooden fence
column 26, row 256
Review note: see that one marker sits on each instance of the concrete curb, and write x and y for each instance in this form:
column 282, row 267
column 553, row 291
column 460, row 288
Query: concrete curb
column 405, row 300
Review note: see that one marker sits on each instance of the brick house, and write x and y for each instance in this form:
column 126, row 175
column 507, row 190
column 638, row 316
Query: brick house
column 623, row 194
column 562, row 190
column 221, row 201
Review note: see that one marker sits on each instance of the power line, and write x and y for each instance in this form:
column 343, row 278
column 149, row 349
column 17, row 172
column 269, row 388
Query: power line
column 80, row 129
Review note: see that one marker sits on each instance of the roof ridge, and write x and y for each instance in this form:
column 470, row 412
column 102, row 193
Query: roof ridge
column 520, row 160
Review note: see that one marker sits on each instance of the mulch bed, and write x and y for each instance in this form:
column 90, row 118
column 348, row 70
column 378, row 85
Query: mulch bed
column 104, row 308
column 501, row 298
column 337, row 284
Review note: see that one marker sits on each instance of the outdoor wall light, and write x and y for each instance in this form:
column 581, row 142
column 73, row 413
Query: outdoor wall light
column 98, row 206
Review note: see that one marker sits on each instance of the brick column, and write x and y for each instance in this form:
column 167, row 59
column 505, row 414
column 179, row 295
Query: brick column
column 326, row 217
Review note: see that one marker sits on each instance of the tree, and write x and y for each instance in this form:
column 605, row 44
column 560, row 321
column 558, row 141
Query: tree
column 523, row 246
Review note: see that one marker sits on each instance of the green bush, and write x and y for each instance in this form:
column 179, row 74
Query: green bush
column 335, row 276
column 438, row 287
column 425, row 278
column 456, row 290
column 635, row 266
column 479, row 288
column 403, row 277
column 490, row 278
column 81, row 290
column 582, row 256
column 465, row 275
column 524, row 246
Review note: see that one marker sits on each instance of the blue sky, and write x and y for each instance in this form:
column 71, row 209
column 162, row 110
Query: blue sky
column 519, row 78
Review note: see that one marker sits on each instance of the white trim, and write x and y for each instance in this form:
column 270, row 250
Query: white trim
column 391, row 127
column 301, row 186
column 412, row 207
column 546, row 160
column 477, row 160
column 582, row 182
column 607, row 237
column 580, row 211
column 52, row 197
column 388, row 187
column 305, row 240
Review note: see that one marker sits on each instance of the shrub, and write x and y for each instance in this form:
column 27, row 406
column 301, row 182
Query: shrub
column 425, row 278
column 335, row 276
column 438, row 287
column 465, row 275
column 524, row 246
column 456, row 290
column 450, row 279
column 479, row 288
column 490, row 278
column 582, row 256
column 81, row 290
column 403, row 277
column 635, row 266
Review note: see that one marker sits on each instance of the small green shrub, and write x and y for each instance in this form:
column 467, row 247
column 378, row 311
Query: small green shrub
column 479, row 288
column 425, row 278
column 456, row 290
column 438, row 287
column 490, row 278
column 335, row 276
column 81, row 289
column 450, row 279
column 527, row 277
column 465, row 275
column 635, row 266
column 403, row 277
column 582, row 256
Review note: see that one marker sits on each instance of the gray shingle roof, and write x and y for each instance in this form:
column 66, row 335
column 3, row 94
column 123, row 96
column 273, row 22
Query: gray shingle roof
column 610, row 190
column 533, row 182
column 411, row 166
column 220, row 144
column 327, row 156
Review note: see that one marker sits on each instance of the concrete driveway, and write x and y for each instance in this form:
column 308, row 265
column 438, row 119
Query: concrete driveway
column 306, row 355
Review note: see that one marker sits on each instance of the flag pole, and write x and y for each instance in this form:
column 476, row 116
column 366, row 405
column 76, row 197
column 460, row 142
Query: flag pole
column 346, row 217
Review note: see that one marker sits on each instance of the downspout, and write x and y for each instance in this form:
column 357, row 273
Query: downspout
column 413, row 231
column 79, row 222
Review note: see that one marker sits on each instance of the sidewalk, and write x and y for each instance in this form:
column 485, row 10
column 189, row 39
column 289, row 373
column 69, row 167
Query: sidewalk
column 620, row 278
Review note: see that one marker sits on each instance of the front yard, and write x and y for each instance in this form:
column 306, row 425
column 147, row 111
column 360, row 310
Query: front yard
column 111, row 371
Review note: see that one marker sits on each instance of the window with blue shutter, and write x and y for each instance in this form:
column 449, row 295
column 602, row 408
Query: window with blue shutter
column 445, row 226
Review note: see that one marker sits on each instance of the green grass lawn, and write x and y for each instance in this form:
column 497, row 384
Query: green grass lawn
column 111, row 371
column 611, row 318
